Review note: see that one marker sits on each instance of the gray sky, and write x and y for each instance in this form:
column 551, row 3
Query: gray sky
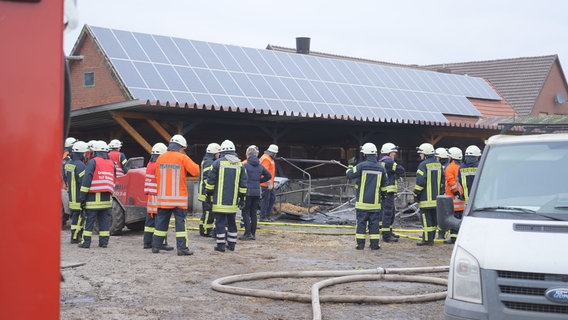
column 401, row 31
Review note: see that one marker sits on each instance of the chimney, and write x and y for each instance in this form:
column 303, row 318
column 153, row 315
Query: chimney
column 303, row 45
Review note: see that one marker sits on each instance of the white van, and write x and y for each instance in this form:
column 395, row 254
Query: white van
column 510, row 260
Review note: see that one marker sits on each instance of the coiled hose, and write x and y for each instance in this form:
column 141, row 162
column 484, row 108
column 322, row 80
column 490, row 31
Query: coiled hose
column 337, row 277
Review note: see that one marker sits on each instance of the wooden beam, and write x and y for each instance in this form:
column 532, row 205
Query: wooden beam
column 160, row 129
column 128, row 128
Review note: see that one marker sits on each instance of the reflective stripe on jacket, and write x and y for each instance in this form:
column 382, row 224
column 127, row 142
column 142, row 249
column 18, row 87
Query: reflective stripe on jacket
column 150, row 184
column 120, row 160
column 453, row 185
column 74, row 170
column 392, row 169
column 227, row 179
column 97, row 185
column 466, row 175
column 371, row 181
column 429, row 182
column 206, row 163
column 172, row 168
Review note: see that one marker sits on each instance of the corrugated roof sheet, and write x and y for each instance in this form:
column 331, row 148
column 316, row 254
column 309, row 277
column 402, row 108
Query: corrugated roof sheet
column 519, row 80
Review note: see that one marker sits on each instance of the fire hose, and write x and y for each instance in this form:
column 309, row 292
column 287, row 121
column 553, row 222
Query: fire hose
column 337, row 277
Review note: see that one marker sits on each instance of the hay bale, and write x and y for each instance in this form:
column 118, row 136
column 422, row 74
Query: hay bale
column 291, row 208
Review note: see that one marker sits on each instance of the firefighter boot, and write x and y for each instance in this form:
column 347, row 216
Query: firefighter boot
column 219, row 247
column 389, row 237
column 184, row 252
column 201, row 230
column 231, row 246
column 360, row 244
column 86, row 243
column 375, row 244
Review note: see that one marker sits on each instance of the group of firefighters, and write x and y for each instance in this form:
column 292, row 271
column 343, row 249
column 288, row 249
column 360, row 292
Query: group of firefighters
column 441, row 171
column 227, row 184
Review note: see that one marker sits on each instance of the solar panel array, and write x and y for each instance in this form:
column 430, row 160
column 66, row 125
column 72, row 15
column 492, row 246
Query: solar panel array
column 171, row 69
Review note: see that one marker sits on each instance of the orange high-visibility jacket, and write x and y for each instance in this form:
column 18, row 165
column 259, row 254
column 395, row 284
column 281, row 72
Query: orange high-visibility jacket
column 267, row 162
column 453, row 185
column 172, row 168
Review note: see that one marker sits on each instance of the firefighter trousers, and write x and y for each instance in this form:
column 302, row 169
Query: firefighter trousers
column 429, row 223
column 368, row 220
column 225, row 228
column 162, row 223
column 206, row 223
column 77, row 219
column 102, row 216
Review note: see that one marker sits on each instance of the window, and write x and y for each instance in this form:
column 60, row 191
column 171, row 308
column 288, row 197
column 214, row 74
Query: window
column 89, row 79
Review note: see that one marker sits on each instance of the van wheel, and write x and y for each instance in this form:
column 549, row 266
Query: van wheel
column 117, row 219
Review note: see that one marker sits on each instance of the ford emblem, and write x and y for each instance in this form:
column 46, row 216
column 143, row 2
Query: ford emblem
column 558, row 295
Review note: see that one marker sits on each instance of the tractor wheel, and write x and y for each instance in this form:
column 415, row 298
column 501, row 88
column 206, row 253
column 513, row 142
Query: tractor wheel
column 117, row 219
column 136, row 226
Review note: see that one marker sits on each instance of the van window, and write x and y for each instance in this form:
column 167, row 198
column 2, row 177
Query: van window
column 529, row 175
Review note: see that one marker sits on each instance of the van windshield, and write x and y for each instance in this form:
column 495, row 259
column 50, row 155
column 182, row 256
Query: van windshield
column 531, row 176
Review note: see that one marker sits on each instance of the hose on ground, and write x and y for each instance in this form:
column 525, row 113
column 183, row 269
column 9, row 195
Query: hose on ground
column 337, row 277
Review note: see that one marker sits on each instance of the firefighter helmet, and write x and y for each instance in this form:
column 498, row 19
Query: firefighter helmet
column 455, row 153
column 273, row 148
column 425, row 148
column 473, row 150
column 227, row 145
column 213, row 148
column 80, row 146
column 179, row 139
column 69, row 142
column 100, row 146
column 159, row 148
column 388, row 148
column 114, row 144
column 90, row 144
column 441, row 153
column 369, row 148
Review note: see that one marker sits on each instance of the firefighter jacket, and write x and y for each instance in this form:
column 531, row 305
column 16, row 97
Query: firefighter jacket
column 393, row 170
column 172, row 168
column 466, row 174
column 228, row 181
column 371, row 180
column 120, row 160
column 206, row 163
column 98, row 182
column 256, row 174
column 429, row 182
column 453, row 185
column 267, row 161
column 73, row 172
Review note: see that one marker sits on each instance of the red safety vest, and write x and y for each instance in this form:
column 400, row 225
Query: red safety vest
column 115, row 156
column 103, row 177
column 151, row 188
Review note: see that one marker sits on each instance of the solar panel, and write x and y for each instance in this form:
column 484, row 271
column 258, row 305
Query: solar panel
column 189, row 71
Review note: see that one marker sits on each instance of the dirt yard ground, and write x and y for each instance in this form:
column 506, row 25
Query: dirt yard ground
column 125, row 281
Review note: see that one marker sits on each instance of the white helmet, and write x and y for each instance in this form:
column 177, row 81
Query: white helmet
column 227, row 145
column 425, row 148
column 115, row 144
column 179, row 139
column 369, row 148
column 90, row 144
column 213, row 148
column 473, row 150
column 388, row 148
column 442, row 153
column 80, row 146
column 273, row 148
column 455, row 153
column 159, row 148
column 100, row 146
column 69, row 142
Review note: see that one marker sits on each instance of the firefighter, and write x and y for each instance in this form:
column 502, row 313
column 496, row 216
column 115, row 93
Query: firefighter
column 468, row 169
column 429, row 184
column 388, row 155
column 118, row 157
column 151, row 189
column 442, row 157
column 172, row 168
column 256, row 174
column 73, row 170
column 454, row 188
column 226, row 186
column 97, row 188
column 371, row 180
column 268, row 195
column 67, row 148
column 206, row 225
column 90, row 152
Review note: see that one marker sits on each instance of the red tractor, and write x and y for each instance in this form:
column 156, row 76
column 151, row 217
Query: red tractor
column 129, row 200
